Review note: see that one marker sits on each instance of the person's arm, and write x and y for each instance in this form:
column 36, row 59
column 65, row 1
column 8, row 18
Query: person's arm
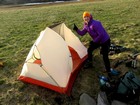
column 80, row 32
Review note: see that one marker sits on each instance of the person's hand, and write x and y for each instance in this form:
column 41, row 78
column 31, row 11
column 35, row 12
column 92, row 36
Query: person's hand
column 75, row 27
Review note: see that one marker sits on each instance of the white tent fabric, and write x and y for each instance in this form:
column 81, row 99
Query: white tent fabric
column 50, row 59
column 71, row 39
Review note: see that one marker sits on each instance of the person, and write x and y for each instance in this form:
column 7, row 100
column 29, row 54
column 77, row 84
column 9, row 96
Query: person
column 100, row 38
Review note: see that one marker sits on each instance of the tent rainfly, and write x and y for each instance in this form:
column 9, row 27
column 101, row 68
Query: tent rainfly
column 54, row 59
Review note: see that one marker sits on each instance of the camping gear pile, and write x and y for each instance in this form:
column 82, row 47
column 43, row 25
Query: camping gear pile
column 125, row 89
column 115, row 49
column 131, row 61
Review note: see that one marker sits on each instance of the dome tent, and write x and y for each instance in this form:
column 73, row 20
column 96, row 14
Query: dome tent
column 54, row 59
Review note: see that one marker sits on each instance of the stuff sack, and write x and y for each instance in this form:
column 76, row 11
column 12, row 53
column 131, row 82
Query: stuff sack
column 102, row 99
column 85, row 99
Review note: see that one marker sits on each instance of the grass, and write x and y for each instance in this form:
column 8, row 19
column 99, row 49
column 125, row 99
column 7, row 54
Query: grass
column 20, row 27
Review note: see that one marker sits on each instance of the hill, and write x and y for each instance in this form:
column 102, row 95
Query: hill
column 20, row 27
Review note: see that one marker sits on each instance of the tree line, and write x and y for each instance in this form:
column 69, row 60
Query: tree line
column 9, row 2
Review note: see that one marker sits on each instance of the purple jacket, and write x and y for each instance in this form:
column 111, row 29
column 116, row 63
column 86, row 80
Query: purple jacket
column 95, row 30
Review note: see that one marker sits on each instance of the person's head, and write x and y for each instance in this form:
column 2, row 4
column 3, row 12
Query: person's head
column 86, row 17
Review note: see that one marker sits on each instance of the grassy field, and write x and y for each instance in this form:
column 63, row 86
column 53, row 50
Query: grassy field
column 20, row 27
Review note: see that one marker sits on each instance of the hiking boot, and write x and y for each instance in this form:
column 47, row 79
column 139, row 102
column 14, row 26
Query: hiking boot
column 114, row 72
column 88, row 64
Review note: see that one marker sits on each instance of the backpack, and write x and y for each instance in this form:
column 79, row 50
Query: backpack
column 128, row 88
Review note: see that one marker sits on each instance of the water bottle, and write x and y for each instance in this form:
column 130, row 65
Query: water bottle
column 103, row 80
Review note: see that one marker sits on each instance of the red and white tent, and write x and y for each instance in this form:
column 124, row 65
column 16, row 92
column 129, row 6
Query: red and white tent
column 54, row 60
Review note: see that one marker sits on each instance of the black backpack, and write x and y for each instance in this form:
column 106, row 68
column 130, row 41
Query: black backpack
column 128, row 89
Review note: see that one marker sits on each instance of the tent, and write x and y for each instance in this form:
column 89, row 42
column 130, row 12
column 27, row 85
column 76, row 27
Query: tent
column 54, row 59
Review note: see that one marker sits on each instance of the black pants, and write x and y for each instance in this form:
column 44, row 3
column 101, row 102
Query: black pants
column 104, row 51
